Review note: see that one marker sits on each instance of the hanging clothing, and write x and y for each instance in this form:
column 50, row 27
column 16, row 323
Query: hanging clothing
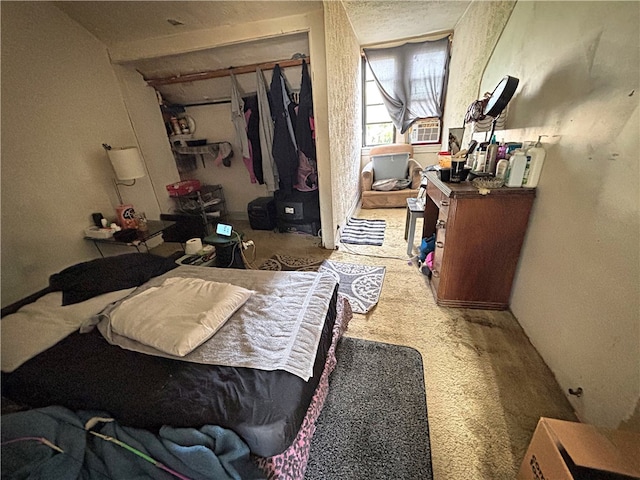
column 284, row 148
column 237, row 117
column 253, row 134
column 304, row 134
column 248, row 162
column 269, row 167
column 307, row 179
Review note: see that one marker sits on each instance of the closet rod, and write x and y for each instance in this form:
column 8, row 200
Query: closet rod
column 225, row 72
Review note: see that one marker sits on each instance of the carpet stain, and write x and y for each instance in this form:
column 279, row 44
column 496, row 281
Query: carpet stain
column 477, row 320
column 475, row 349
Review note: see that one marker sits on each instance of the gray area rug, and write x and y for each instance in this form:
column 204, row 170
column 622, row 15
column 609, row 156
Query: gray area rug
column 374, row 422
column 361, row 284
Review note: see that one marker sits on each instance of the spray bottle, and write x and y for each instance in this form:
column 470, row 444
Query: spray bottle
column 534, row 165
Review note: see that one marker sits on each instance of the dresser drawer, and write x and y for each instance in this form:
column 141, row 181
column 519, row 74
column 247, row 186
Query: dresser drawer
column 439, row 198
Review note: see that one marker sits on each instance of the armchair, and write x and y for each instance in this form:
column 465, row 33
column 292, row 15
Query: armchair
column 394, row 198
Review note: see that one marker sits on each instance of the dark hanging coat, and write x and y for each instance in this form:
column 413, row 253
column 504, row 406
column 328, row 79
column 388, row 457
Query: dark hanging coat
column 253, row 134
column 304, row 133
column 284, row 151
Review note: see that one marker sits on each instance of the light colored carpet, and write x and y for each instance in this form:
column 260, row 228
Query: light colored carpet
column 486, row 384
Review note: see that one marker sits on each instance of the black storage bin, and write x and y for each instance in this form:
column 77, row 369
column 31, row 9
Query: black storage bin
column 298, row 207
column 262, row 213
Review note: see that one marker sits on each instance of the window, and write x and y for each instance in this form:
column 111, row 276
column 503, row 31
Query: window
column 378, row 127
column 409, row 82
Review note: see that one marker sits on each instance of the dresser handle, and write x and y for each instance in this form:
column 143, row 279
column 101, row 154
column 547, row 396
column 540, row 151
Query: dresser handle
column 440, row 244
column 435, row 273
column 444, row 203
column 440, row 224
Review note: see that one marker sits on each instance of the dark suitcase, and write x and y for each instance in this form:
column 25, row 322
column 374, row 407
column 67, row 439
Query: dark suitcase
column 262, row 213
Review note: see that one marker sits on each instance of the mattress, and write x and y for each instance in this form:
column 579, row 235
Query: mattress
column 84, row 371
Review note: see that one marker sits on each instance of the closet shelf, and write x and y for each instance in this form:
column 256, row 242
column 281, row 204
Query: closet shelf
column 220, row 151
column 225, row 72
column 223, row 148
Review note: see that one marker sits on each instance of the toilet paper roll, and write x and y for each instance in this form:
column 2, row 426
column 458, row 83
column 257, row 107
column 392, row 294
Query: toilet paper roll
column 193, row 246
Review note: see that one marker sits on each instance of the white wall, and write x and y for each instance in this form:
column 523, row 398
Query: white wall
column 146, row 117
column 213, row 123
column 344, row 91
column 60, row 101
column 474, row 40
column 577, row 291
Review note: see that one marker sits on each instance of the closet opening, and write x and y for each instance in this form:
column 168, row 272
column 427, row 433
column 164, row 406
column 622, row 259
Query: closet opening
column 240, row 117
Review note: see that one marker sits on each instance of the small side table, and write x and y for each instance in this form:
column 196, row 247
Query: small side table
column 414, row 210
column 228, row 254
column 154, row 228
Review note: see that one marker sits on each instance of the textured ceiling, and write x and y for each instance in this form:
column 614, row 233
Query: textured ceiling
column 383, row 21
column 126, row 21
column 373, row 21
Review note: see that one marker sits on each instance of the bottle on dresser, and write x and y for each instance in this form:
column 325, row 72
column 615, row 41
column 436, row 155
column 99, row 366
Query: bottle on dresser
column 492, row 155
column 536, row 155
column 517, row 166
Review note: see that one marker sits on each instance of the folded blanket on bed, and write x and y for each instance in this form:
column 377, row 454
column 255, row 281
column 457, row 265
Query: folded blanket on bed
column 204, row 453
column 278, row 328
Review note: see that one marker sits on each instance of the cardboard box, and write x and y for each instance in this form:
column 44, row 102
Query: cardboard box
column 562, row 450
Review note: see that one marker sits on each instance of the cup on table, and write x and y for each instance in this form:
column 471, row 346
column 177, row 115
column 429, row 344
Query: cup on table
column 457, row 169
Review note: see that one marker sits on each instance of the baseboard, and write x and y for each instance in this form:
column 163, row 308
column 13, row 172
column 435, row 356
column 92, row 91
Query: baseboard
column 350, row 213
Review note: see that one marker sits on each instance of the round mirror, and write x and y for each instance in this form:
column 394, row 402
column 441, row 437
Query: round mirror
column 500, row 96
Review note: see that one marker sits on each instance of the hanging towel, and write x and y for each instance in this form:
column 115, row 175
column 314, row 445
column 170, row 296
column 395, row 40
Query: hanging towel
column 269, row 168
column 237, row 117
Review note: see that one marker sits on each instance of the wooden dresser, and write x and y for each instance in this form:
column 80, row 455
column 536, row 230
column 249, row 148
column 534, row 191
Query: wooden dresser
column 478, row 241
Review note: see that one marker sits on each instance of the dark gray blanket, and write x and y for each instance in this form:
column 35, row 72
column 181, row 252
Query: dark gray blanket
column 210, row 452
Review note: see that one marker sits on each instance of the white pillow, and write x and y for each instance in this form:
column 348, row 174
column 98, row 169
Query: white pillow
column 179, row 315
column 43, row 323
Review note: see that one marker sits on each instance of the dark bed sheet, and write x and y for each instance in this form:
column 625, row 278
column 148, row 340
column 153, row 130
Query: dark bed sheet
column 85, row 372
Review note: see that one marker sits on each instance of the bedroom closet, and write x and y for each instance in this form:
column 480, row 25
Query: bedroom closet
column 247, row 128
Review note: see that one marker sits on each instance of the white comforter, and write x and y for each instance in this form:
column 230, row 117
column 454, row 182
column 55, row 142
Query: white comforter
column 278, row 328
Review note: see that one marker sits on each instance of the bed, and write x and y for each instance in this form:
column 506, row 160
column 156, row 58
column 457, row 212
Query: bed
column 262, row 373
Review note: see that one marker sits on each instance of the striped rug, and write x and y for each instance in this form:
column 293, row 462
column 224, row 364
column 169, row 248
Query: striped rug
column 359, row 231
